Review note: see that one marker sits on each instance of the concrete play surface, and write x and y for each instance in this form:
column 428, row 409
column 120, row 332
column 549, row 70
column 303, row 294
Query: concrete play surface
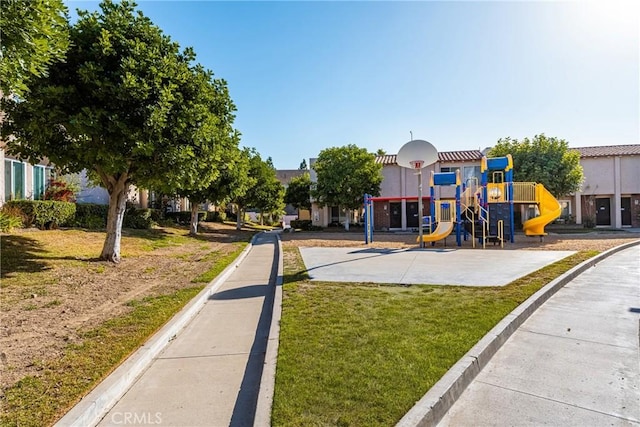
column 467, row 267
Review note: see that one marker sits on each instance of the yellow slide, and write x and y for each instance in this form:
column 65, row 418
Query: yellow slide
column 550, row 210
column 442, row 230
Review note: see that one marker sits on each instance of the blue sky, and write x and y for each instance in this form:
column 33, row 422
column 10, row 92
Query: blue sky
column 311, row 75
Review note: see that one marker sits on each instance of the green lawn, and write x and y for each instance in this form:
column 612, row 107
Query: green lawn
column 357, row 354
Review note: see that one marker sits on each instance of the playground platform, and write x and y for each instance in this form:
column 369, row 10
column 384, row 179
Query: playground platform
column 466, row 267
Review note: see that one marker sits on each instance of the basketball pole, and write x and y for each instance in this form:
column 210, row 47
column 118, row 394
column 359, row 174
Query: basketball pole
column 420, row 207
column 414, row 155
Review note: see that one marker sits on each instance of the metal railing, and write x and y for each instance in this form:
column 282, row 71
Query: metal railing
column 524, row 192
column 445, row 210
column 484, row 222
column 467, row 198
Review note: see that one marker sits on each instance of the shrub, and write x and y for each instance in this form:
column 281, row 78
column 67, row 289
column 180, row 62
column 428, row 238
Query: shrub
column 94, row 216
column 45, row 214
column 156, row 214
column 302, row 224
column 10, row 217
column 9, row 222
column 184, row 217
column 11, row 210
column 60, row 191
column 216, row 216
column 91, row 215
column 138, row 218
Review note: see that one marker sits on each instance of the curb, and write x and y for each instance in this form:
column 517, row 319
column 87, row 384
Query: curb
column 95, row 405
column 430, row 409
column 268, row 379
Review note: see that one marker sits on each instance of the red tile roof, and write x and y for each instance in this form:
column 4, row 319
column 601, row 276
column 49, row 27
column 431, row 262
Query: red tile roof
column 460, row 156
column 609, row 150
column 476, row 155
column 387, row 159
column 443, row 156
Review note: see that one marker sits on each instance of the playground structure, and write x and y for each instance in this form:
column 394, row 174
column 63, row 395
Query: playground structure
column 489, row 208
column 445, row 214
column 484, row 210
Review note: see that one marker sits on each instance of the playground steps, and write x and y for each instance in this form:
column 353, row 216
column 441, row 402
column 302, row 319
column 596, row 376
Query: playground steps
column 493, row 239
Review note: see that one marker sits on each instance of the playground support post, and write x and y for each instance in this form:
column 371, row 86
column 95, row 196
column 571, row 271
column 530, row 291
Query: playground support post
column 368, row 219
column 458, row 208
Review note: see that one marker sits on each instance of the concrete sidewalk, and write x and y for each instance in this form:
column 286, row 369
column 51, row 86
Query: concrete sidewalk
column 575, row 361
column 209, row 375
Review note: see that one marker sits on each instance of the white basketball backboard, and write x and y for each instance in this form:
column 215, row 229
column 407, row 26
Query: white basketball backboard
column 417, row 149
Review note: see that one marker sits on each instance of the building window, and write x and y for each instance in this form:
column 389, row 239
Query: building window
column 471, row 174
column 41, row 178
column 14, row 180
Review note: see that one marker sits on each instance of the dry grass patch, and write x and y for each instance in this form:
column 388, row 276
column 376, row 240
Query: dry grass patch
column 54, row 292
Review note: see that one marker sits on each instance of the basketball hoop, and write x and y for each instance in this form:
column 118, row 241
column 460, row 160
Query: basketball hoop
column 416, row 164
column 409, row 152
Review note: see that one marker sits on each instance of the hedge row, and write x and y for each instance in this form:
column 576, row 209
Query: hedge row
column 45, row 214
column 91, row 216
column 94, row 216
column 48, row 214
column 183, row 217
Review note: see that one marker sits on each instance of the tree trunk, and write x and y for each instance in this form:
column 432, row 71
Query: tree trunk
column 117, row 207
column 346, row 220
column 193, row 230
column 239, row 218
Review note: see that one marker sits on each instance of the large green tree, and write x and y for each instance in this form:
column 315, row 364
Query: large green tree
column 298, row 193
column 265, row 192
column 344, row 175
column 125, row 106
column 206, row 122
column 269, row 196
column 243, row 199
column 33, row 35
column 234, row 180
column 231, row 181
column 543, row 159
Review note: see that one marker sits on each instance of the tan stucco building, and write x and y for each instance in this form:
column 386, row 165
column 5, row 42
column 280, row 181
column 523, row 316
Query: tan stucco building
column 609, row 196
column 610, row 193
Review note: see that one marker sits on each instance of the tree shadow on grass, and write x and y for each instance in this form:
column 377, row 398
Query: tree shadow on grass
column 21, row 255
column 152, row 234
column 219, row 235
column 298, row 276
column 148, row 234
column 205, row 233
